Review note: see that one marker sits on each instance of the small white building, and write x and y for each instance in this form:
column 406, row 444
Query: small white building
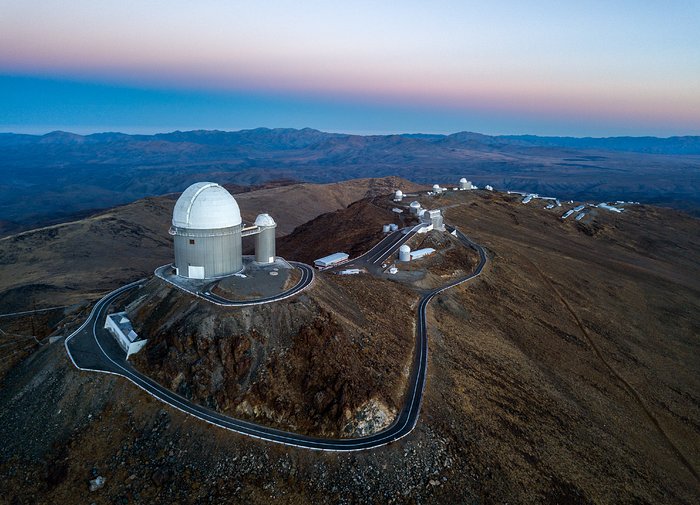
column 488, row 187
column 331, row 259
column 398, row 196
column 421, row 253
column 434, row 218
column 123, row 332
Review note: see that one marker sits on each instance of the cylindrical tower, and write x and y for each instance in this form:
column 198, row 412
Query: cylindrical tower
column 415, row 207
column 206, row 231
column 265, row 240
column 404, row 253
column 464, row 184
column 436, row 188
column 398, row 196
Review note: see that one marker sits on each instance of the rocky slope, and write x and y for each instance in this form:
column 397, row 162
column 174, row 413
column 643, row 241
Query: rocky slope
column 327, row 362
column 566, row 373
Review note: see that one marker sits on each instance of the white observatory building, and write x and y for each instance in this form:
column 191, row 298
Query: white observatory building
column 207, row 230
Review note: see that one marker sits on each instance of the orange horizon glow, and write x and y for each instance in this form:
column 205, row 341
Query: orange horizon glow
column 536, row 75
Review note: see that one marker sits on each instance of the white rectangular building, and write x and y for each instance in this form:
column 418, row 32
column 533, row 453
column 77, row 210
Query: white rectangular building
column 421, row 253
column 331, row 259
column 122, row 331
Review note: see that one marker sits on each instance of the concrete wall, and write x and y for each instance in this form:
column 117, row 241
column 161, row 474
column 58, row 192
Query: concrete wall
column 218, row 251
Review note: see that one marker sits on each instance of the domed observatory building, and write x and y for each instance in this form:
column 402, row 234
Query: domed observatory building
column 206, row 229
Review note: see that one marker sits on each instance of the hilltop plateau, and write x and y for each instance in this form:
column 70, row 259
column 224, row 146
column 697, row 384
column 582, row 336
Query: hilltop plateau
column 565, row 373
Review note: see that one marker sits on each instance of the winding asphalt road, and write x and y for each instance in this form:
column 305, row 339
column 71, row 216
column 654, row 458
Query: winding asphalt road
column 91, row 347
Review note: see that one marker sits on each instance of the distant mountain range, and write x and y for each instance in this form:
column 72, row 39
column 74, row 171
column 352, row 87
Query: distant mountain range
column 53, row 176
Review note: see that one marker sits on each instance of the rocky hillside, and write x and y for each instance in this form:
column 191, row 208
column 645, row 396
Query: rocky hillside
column 327, row 362
column 566, row 373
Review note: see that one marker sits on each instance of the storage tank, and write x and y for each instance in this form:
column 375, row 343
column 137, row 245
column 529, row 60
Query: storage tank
column 206, row 230
column 265, row 240
column 404, row 253
column 393, row 227
column 386, row 228
column 398, row 196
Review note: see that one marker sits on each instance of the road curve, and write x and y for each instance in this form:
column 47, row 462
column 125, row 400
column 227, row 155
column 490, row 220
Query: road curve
column 307, row 277
column 91, row 347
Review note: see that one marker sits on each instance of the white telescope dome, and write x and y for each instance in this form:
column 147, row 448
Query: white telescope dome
column 264, row 220
column 463, row 179
column 399, row 192
column 404, row 248
column 415, row 205
column 206, row 206
column 436, row 186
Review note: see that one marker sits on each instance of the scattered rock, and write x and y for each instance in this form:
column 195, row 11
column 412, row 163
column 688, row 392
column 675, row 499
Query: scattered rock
column 97, row 483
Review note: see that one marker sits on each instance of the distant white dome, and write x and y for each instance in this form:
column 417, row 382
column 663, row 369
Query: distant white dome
column 399, row 192
column 206, row 206
column 463, row 179
column 264, row 220
column 415, row 205
column 404, row 248
column 436, row 187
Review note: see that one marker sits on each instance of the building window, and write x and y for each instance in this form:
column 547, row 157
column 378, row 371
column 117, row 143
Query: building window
column 191, row 241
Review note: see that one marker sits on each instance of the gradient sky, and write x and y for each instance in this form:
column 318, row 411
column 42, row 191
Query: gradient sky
column 545, row 67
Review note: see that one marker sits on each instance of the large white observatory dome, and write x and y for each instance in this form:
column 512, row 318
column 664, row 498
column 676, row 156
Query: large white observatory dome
column 206, row 206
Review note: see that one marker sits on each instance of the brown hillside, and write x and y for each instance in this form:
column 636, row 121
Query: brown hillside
column 71, row 262
column 566, row 373
column 270, row 363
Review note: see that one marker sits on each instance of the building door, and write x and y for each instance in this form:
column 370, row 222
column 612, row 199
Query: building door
column 194, row 272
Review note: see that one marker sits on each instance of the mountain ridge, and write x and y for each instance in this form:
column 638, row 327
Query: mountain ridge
column 676, row 144
column 63, row 173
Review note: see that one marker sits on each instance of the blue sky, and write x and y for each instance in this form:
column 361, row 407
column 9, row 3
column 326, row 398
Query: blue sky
column 568, row 68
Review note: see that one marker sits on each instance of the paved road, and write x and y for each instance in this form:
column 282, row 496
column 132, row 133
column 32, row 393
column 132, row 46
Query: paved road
column 92, row 348
column 307, row 277
column 382, row 251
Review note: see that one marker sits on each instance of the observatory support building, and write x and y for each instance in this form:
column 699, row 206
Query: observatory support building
column 265, row 239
